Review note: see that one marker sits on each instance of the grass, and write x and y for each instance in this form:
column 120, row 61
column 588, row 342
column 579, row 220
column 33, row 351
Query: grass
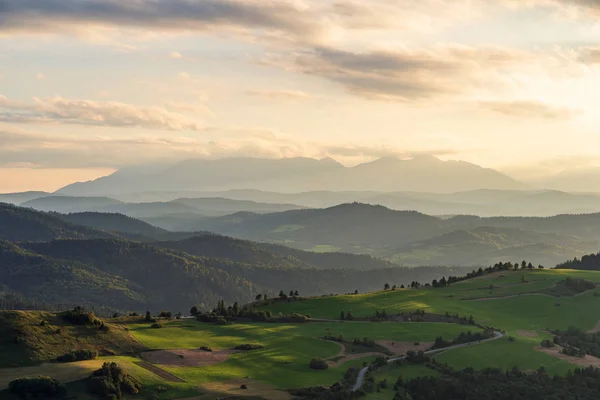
column 73, row 373
column 505, row 354
column 288, row 348
column 525, row 311
column 39, row 342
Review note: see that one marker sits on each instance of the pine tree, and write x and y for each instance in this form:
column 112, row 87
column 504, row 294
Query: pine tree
column 342, row 315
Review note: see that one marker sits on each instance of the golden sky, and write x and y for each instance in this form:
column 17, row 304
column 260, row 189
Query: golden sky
column 90, row 87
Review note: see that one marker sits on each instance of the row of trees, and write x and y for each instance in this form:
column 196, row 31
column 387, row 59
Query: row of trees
column 443, row 282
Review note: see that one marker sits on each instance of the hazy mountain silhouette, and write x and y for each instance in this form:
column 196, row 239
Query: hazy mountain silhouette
column 300, row 174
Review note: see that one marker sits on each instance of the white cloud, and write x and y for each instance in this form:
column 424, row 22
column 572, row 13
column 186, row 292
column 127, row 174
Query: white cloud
column 88, row 112
column 175, row 55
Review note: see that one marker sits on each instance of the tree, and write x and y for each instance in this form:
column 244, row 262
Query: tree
column 194, row 310
column 523, row 264
column 349, row 316
column 281, row 294
column 401, row 286
column 236, row 308
column 259, row 297
column 296, row 293
column 386, row 286
column 394, row 287
column 356, row 291
column 148, row 316
column 530, row 266
column 434, row 283
column 265, row 296
column 291, row 293
column 342, row 315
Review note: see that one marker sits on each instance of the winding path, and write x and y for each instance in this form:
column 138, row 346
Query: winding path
column 363, row 372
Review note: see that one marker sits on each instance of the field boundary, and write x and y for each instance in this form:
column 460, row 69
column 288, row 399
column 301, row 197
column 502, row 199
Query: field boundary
column 167, row 376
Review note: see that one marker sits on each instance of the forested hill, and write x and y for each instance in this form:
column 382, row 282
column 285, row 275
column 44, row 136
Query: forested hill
column 113, row 222
column 271, row 255
column 589, row 262
column 131, row 276
column 22, row 224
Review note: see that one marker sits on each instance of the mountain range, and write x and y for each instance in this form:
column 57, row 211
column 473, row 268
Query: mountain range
column 425, row 174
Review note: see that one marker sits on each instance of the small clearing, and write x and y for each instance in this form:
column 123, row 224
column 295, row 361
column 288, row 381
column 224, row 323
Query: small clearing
column 187, row 358
column 401, row 348
column 167, row 376
column 587, row 361
column 233, row 389
column 528, row 334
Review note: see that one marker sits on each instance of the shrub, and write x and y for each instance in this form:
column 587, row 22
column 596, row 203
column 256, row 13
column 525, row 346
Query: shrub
column 156, row 325
column 317, row 363
column 42, row 386
column 249, row 346
column 111, row 380
column 547, row 344
column 205, row 348
column 78, row 355
column 79, row 316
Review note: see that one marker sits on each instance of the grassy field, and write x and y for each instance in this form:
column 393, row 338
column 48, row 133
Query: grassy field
column 288, row 348
column 521, row 310
column 511, row 304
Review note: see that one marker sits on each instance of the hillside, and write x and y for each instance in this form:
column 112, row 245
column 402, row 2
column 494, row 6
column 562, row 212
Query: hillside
column 489, row 245
column 25, row 341
column 417, row 239
column 70, row 204
column 481, row 202
column 23, row 224
column 347, row 227
column 113, row 222
column 126, row 276
column 270, row 255
column 21, row 197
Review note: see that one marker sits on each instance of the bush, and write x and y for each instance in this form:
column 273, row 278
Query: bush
column 79, row 316
column 547, row 344
column 156, row 325
column 78, row 355
column 249, row 346
column 42, row 386
column 317, row 363
column 205, row 348
column 111, row 380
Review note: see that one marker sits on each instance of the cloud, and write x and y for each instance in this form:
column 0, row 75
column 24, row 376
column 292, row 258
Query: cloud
column 87, row 112
column 60, row 16
column 93, row 151
column 279, row 94
column 530, row 109
column 40, row 76
column 408, row 73
column 175, row 55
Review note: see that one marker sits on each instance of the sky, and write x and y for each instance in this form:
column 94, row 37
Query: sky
column 91, row 86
